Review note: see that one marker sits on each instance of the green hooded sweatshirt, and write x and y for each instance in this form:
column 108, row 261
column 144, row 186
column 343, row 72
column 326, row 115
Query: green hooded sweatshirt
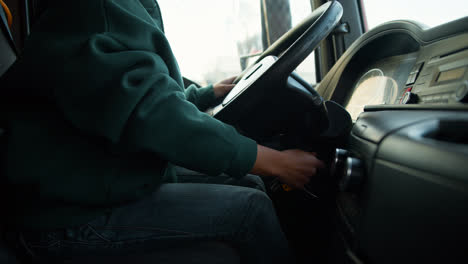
column 101, row 115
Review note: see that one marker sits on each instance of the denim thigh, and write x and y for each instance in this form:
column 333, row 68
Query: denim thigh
column 175, row 214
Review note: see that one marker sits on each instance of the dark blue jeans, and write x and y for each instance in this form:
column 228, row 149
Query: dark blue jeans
column 178, row 213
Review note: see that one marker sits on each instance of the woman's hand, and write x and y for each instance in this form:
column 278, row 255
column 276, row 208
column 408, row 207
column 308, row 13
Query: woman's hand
column 293, row 167
column 222, row 88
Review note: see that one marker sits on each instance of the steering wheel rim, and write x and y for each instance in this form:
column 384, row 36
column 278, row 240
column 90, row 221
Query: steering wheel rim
column 300, row 34
column 262, row 88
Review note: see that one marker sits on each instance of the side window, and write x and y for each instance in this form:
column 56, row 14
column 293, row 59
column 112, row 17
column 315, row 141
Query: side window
column 213, row 39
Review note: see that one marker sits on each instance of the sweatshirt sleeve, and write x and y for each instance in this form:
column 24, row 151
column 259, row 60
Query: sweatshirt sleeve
column 129, row 97
column 202, row 97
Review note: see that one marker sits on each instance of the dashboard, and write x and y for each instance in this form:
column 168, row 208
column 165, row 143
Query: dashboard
column 436, row 74
column 382, row 82
column 402, row 174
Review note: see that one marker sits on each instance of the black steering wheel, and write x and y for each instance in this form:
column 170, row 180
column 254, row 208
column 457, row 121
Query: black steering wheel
column 268, row 97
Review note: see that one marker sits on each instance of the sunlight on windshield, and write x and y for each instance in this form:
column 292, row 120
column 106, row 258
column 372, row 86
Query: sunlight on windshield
column 429, row 12
column 209, row 37
column 203, row 37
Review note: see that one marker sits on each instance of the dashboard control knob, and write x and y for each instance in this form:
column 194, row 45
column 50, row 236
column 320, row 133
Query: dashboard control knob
column 338, row 163
column 462, row 93
column 353, row 175
column 409, row 98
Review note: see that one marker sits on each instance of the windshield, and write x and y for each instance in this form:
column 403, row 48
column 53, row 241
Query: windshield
column 213, row 39
column 429, row 12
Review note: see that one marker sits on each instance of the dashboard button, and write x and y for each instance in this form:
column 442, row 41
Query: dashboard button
column 409, row 98
column 462, row 93
column 411, row 79
column 417, row 68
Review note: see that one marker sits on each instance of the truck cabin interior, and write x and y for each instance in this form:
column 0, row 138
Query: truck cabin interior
column 388, row 114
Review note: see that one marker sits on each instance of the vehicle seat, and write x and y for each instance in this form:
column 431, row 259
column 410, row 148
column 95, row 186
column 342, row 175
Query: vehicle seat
column 204, row 252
